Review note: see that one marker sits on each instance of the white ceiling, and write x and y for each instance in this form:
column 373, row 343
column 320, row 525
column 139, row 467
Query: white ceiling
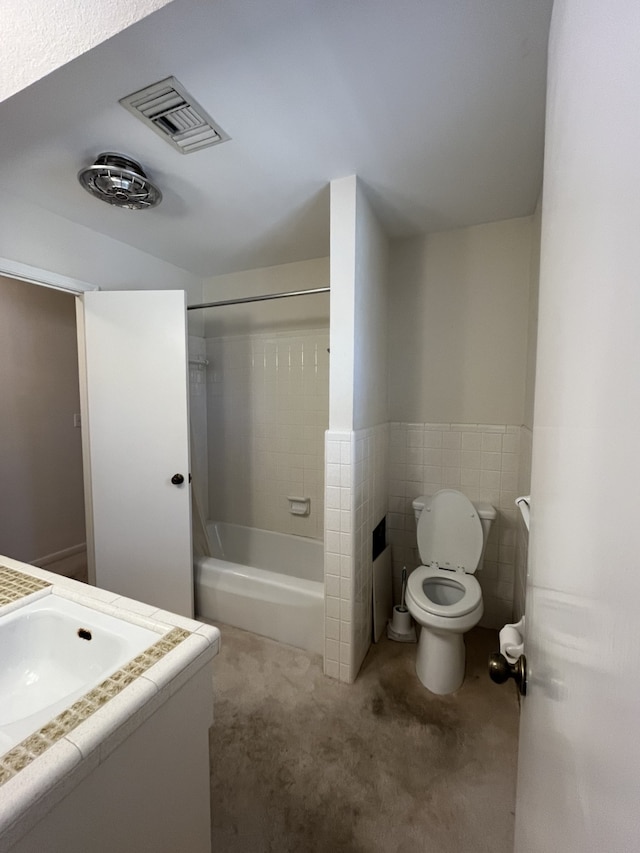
column 438, row 105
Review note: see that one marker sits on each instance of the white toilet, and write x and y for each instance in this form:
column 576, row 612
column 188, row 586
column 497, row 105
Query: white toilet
column 443, row 595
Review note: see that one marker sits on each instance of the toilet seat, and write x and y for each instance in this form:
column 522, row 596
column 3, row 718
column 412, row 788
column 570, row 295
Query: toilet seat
column 471, row 591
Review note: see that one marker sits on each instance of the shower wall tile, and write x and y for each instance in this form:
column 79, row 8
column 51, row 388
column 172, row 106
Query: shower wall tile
column 267, row 411
column 198, row 420
column 481, row 460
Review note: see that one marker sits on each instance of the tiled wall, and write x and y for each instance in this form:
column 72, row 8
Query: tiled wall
column 370, row 506
column 356, row 500
column 522, row 534
column 198, row 420
column 267, row 412
column 338, row 554
column 480, row 460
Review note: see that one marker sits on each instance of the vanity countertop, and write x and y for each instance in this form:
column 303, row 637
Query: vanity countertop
column 39, row 772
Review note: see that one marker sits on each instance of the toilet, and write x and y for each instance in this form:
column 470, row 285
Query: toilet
column 443, row 596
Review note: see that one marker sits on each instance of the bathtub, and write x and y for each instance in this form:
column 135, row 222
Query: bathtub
column 265, row 582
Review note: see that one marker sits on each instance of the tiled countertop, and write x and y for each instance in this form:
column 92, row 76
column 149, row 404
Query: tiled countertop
column 39, row 772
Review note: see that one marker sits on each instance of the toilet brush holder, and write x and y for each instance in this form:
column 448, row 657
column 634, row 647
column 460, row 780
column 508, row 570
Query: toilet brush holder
column 401, row 628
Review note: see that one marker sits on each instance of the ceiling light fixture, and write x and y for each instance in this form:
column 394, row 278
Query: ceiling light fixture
column 121, row 181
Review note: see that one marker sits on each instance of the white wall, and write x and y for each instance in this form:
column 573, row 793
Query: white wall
column 343, row 267
column 34, row 236
column 298, row 312
column 370, row 318
column 359, row 273
column 40, row 448
column 532, row 328
column 578, row 770
column 458, row 317
column 41, row 35
column 356, row 487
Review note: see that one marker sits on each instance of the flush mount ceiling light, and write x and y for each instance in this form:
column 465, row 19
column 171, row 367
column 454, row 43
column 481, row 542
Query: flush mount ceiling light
column 120, row 181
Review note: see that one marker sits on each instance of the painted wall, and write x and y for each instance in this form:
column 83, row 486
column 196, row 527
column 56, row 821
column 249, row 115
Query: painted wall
column 579, row 756
column 359, row 273
column 458, row 318
column 80, row 253
column 370, row 318
column 299, row 312
column 40, row 448
column 42, row 35
column 342, row 270
column 532, row 325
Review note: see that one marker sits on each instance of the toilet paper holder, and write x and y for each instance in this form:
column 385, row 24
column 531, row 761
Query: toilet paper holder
column 510, row 661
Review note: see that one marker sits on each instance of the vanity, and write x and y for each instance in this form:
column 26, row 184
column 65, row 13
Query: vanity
column 105, row 710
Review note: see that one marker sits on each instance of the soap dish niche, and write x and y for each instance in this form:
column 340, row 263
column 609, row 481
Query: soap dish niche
column 299, row 506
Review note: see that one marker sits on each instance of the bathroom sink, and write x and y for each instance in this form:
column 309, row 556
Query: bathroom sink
column 54, row 650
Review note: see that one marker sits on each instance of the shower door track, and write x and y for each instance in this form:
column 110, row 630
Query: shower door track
column 240, row 301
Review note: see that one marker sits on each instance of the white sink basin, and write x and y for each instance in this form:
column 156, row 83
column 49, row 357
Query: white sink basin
column 53, row 651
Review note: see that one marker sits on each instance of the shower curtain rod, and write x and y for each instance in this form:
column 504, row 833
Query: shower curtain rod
column 262, row 298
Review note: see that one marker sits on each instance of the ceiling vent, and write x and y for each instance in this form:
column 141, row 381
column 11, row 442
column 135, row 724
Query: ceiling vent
column 177, row 117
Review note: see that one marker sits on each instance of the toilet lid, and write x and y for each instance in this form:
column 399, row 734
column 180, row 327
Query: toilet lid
column 450, row 532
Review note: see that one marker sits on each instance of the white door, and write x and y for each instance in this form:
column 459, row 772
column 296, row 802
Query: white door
column 579, row 761
column 136, row 442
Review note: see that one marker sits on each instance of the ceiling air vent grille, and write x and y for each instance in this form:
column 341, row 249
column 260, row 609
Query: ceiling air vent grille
column 171, row 111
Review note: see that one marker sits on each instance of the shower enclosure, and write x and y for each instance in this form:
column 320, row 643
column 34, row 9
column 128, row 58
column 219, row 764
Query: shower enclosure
column 259, row 411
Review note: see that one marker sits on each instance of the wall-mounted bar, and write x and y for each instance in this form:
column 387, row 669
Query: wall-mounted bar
column 263, row 298
column 198, row 361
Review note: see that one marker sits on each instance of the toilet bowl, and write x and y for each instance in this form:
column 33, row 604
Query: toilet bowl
column 443, row 596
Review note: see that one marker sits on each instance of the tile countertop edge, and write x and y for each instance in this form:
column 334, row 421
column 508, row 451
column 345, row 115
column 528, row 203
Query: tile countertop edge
column 36, row 789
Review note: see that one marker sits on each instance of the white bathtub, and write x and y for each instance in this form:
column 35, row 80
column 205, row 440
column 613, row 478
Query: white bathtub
column 265, row 582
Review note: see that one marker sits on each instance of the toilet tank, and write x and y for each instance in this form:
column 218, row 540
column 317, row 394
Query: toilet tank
column 486, row 514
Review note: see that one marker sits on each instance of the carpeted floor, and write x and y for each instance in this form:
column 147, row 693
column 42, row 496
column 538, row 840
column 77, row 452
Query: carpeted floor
column 300, row 762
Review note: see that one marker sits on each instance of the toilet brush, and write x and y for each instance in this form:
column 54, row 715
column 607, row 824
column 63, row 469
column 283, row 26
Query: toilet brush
column 401, row 628
column 404, row 589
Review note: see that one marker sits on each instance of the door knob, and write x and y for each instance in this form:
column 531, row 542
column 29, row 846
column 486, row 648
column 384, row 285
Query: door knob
column 500, row 670
column 177, row 479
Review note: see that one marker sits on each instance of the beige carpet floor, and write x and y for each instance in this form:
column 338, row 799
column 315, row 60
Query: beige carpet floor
column 300, row 762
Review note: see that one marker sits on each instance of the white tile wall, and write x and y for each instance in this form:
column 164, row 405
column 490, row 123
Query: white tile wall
column 522, row 534
column 198, row 420
column 338, row 554
column 267, row 412
column 356, row 500
column 480, row 460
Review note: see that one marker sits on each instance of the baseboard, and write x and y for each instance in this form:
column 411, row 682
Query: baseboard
column 70, row 562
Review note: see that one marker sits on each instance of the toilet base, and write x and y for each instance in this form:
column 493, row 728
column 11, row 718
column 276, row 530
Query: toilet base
column 440, row 660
